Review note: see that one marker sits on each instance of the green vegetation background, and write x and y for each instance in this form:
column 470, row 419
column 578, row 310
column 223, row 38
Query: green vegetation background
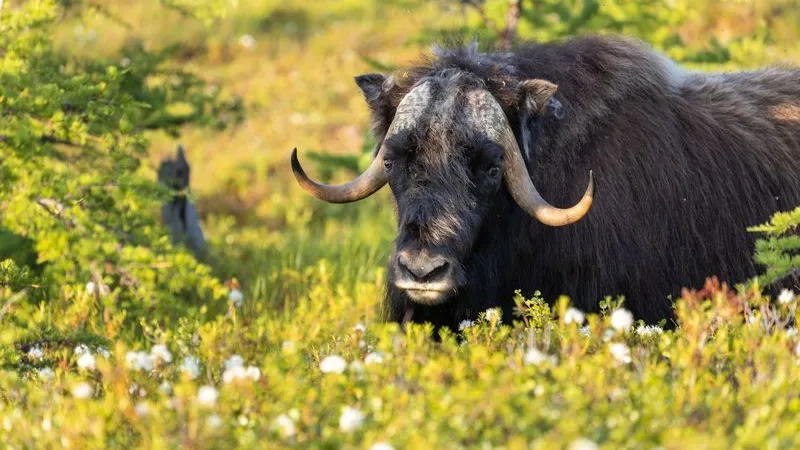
column 94, row 94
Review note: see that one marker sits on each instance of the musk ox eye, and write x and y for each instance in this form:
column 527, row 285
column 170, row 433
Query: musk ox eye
column 387, row 164
column 494, row 172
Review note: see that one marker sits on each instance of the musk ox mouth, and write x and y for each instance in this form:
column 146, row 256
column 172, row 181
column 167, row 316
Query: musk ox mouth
column 426, row 293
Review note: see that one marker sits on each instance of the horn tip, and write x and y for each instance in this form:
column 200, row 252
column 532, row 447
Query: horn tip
column 295, row 162
column 299, row 173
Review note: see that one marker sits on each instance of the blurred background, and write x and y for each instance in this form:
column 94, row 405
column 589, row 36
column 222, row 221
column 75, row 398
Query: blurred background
column 290, row 67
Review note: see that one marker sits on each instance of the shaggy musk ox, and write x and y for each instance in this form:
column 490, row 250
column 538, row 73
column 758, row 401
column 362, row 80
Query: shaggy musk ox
column 491, row 157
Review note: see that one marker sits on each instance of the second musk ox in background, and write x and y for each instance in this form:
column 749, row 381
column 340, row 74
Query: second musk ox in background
column 490, row 159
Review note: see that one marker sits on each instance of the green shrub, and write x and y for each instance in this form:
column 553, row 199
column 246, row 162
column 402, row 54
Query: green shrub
column 779, row 252
column 72, row 190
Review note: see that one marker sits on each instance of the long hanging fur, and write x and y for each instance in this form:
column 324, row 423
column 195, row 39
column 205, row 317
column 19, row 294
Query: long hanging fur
column 683, row 162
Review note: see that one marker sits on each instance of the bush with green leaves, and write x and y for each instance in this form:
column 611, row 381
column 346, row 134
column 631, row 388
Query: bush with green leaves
column 661, row 24
column 76, row 208
column 779, row 251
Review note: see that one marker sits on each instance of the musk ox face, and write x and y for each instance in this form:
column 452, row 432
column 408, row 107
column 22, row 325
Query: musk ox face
column 447, row 154
column 444, row 176
column 444, row 173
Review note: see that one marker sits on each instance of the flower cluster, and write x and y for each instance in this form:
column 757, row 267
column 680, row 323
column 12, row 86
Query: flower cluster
column 235, row 370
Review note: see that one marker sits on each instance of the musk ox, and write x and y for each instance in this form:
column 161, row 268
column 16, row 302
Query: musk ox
column 491, row 159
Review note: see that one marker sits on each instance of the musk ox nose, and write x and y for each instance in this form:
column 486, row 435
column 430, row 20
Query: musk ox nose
column 423, row 268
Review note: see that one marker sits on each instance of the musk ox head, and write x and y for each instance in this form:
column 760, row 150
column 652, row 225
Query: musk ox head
column 449, row 155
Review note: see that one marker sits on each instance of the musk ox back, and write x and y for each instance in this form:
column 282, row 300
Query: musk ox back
column 488, row 156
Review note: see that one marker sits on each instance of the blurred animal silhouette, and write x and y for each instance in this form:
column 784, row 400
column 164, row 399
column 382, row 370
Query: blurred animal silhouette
column 179, row 214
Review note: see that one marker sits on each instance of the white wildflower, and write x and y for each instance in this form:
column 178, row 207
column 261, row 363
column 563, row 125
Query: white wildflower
column 46, row 373
column 81, row 349
column 288, row 346
column 236, row 297
column 621, row 319
column 139, row 361
column 234, row 361
column 125, row 62
column 82, row 390
column 351, row 419
column 247, row 41
column 360, row 327
column 608, row 334
column 160, row 352
column 243, row 420
column 585, row 331
column 465, row 324
column 333, row 364
column 35, row 353
column 254, row 373
column 791, row 332
column 238, row 373
column 191, row 366
column 493, row 315
column 286, row 425
column 357, row 367
column 648, row 330
column 574, row 315
column 207, row 395
column 620, row 352
column 373, row 358
column 381, row 446
column 135, row 389
column 583, row 444
column 536, row 357
column 102, row 351
column 786, row 297
column 87, row 362
column 47, row 425
column 165, row 387
column 214, row 421
column 92, row 287
column 141, row 409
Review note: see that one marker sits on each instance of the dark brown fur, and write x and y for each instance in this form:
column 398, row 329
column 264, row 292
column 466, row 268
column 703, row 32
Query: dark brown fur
column 682, row 167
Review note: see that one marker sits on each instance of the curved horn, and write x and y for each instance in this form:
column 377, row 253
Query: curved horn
column 375, row 176
column 362, row 187
column 488, row 115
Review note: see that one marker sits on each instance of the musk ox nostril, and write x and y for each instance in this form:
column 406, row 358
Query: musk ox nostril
column 422, row 269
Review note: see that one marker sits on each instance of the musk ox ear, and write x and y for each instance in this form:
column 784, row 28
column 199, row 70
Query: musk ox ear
column 371, row 85
column 537, row 98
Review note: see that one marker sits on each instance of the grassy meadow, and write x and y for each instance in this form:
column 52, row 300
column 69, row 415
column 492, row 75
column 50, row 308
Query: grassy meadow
column 291, row 352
